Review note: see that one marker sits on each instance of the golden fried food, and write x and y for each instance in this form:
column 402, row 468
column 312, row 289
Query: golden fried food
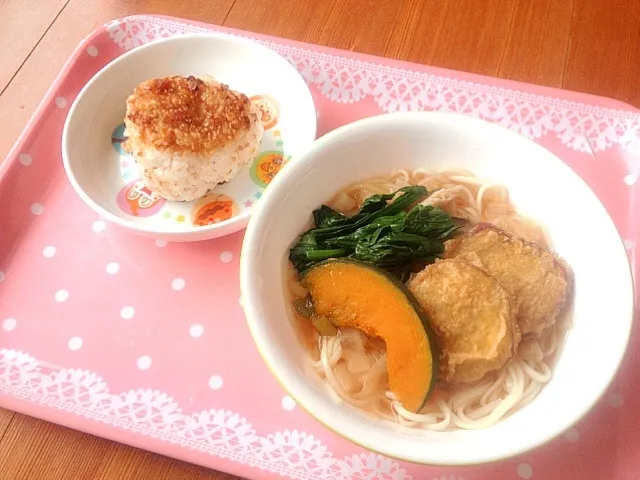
column 472, row 317
column 188, row 135
column 186, row 114
column 537, row 279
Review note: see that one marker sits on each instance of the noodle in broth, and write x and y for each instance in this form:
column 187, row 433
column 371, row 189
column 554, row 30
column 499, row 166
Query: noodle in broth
column 354, row 365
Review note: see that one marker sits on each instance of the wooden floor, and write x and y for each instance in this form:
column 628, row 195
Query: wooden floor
column 586, row 45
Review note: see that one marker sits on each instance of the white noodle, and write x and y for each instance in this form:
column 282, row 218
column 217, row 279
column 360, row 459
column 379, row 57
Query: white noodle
column 468, row 407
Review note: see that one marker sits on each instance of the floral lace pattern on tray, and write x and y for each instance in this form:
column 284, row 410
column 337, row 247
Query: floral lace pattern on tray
column 218, row 432
column 579, row 126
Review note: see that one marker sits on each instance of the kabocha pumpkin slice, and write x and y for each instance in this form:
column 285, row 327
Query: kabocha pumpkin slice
column 353, row 294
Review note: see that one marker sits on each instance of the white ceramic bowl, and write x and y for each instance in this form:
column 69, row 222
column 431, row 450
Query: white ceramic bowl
column 106, row 178
column 578, row 225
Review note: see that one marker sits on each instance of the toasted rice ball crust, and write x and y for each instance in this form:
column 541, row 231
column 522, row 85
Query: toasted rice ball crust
column 188, row 135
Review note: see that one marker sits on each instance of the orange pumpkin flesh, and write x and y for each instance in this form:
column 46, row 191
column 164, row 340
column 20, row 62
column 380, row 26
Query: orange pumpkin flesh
column 352, row 294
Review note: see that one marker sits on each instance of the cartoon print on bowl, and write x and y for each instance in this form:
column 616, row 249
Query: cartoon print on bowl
column 137, row 200
column 213, row 208
column 117, row 139
column 269, row 162
column 177, row 217
column 266, row 166
column 270, row 109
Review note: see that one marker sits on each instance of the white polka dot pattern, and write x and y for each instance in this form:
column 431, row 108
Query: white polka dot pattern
column 9, row 324
column 113, row 268
column 288, row 403
column 525, row 471
column 75, row 343
column 215, row 382
column 37, row 209
column 61, row 296
column 572, row 435
column 196, row 330
column 98, row 226
column 144, row 362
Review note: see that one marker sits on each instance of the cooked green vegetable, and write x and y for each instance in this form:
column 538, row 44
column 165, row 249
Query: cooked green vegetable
column 382, row 233
column 304, row 308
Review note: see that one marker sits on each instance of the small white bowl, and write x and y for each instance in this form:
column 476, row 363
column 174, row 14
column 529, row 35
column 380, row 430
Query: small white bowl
column 541, row 186
column 106, row 178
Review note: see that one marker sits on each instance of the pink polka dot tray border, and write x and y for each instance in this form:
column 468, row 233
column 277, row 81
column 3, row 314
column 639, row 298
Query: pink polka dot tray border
column 143, row 341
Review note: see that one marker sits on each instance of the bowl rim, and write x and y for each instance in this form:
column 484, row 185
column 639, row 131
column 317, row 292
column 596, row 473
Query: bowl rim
column 233, row 224
column 249, row 289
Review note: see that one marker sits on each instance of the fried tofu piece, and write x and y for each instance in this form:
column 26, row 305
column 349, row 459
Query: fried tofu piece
column 472, row 317
column 537, row 279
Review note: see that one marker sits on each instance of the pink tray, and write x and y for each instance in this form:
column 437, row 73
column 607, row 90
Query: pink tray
column 145, row 342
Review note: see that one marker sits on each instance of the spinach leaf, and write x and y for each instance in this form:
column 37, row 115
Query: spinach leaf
column 375, row 203
column 370, row 210
column 431, row 222
column 326, row 216
column 382, row 233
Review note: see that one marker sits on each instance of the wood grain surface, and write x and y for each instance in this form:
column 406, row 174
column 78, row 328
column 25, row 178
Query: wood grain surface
column 585, row 45
column 24, row 23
